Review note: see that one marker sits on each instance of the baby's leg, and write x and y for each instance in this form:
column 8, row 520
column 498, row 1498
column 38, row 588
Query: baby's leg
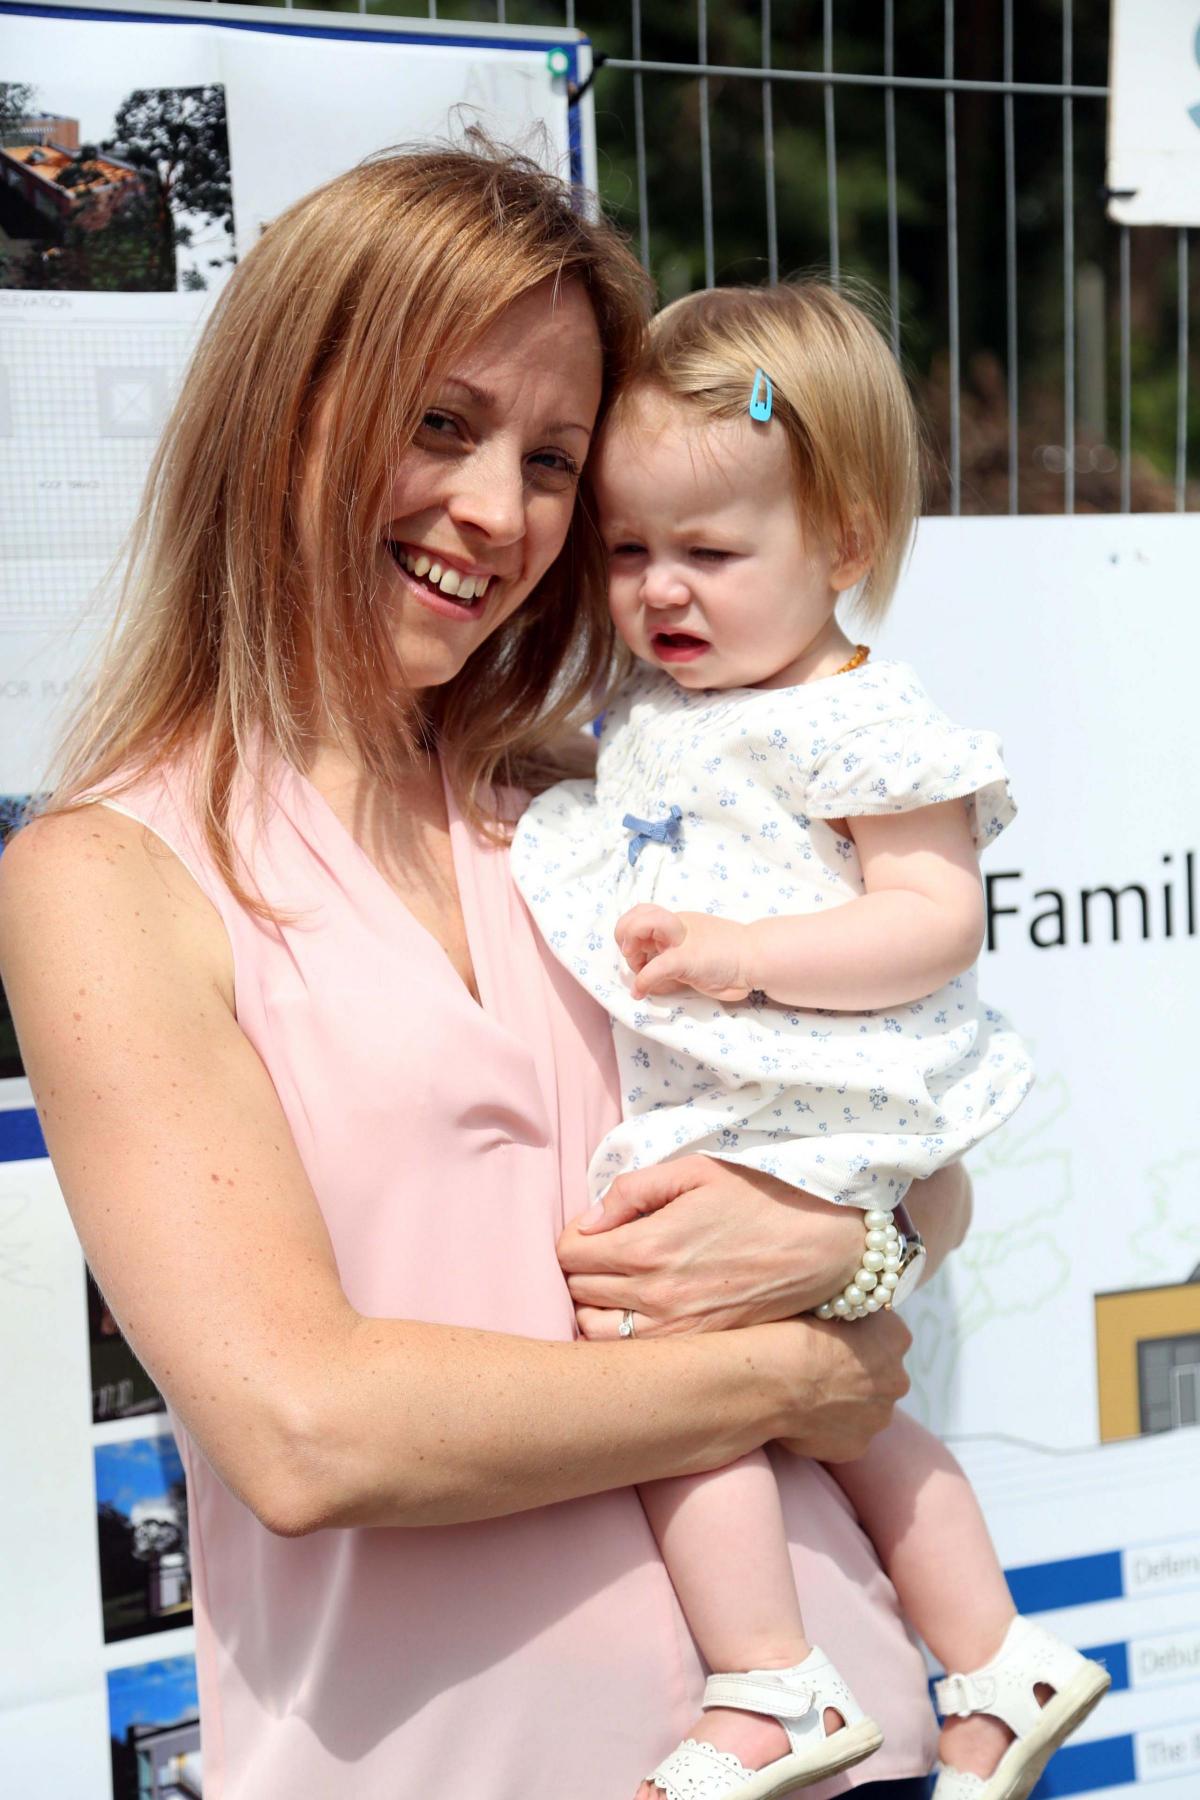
column 722, row 1538
column 920, row 1512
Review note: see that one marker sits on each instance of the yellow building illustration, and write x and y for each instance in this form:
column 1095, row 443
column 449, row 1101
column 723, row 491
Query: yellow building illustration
column 1148, row 1359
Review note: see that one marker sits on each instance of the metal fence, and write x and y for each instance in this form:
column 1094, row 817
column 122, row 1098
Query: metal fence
column 771, row 76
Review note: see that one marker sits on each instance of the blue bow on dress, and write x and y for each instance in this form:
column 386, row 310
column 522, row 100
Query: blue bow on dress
column 652, row 831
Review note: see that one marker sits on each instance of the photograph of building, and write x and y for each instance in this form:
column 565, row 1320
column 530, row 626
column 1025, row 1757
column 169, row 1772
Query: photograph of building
column 154, row 1731
column 132, row 198
column 141, row 1524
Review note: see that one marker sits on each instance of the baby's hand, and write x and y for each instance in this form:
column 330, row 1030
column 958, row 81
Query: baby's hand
column 668, row 951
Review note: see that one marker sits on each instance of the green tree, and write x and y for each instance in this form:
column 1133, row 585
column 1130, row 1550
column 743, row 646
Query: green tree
column 176, row 140
column 17, row 100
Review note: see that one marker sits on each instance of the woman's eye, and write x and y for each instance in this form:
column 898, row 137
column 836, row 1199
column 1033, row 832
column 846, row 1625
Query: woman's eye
column 439, row 424
column 555, row 466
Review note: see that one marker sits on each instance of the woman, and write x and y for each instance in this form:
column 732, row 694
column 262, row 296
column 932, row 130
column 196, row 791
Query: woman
column 318, row 1102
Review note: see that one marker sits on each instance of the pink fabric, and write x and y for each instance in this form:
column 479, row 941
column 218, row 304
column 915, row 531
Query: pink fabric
column 528, row 1658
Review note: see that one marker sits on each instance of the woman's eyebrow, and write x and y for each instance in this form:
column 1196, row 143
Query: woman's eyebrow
column 483, row 397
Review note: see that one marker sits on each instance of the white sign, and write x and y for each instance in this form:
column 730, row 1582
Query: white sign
column 1154, row 113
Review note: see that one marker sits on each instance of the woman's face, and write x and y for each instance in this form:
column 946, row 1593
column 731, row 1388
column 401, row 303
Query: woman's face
column 481, row 501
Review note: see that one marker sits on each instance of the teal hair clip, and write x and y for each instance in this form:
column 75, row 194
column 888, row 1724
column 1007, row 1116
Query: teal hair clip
column 762, row 397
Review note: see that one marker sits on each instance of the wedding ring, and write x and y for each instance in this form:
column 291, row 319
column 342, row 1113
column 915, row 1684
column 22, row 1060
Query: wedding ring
column 625, row 1328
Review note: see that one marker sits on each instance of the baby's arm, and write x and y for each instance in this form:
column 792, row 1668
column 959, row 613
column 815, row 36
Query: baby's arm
column 919, row 922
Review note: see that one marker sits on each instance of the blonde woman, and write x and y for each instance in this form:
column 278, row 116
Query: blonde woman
column 319, row 1102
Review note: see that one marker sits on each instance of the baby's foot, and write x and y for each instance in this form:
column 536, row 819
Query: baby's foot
column 976, row 1744
column 754, row 1738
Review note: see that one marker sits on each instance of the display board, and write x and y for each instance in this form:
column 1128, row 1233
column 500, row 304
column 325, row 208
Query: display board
column 1154, row 113
column 1060, row 1350
column 99, row 310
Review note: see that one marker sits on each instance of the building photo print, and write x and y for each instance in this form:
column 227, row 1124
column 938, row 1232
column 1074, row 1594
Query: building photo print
column 154, row 1731
column 130, row 197
column 141, row 1526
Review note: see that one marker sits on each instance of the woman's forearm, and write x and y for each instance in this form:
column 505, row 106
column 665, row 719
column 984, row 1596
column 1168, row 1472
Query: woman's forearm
column 409, row 1424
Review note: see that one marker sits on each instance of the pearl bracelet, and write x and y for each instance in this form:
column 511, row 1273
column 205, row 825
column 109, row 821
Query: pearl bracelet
column 872, row 1287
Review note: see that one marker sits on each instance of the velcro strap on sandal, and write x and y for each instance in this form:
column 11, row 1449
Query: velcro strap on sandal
column 757, row 1693
column 960, row 1695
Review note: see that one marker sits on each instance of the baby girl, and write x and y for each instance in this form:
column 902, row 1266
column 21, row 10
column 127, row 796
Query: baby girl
column 772, row 885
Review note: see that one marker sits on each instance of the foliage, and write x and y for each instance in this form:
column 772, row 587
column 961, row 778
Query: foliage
column 17, row 101
column 176, row 139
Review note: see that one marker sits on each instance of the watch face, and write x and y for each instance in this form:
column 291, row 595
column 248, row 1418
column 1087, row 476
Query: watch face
column 912, row 1258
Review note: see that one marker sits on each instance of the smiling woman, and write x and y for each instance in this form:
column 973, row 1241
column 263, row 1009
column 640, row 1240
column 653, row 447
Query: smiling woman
column 320, row 1103
column 482, row 500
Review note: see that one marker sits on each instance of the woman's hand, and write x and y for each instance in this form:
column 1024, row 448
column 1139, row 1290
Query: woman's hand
column 698, row 1245
column 851, row 1377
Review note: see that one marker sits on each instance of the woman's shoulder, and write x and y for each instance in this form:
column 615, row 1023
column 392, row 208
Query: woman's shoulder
column 124, row 858
column 92, row 882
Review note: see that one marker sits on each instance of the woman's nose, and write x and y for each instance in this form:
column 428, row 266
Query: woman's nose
column 489, row 497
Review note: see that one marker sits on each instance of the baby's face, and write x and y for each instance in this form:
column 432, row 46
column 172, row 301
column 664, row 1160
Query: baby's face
column 710, row 575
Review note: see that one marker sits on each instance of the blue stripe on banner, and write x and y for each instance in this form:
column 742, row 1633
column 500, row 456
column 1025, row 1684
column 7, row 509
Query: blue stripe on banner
column 1115, row 1658
column 20, row 1135
column 1044, row 1587
column 1084, row 1768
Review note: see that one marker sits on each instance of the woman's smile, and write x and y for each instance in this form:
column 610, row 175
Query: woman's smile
column 441, row 583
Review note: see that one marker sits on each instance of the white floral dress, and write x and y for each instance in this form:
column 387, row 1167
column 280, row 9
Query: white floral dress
column 727, row 802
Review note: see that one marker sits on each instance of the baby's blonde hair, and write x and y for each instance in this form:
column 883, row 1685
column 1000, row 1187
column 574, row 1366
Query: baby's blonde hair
column 839, row 396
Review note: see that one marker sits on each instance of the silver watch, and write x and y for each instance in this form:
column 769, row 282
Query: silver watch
column 912, row 1255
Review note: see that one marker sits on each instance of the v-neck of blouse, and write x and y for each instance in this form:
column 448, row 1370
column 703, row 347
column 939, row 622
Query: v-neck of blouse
column 464, row 885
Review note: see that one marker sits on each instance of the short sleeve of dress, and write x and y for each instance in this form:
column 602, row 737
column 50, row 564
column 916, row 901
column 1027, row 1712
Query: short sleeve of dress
column 902, row 752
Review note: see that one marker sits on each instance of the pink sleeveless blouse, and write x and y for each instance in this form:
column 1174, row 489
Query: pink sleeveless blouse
column 526, row 1658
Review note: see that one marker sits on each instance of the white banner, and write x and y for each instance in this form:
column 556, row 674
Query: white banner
column 1154, row 113
column 1060, row 1351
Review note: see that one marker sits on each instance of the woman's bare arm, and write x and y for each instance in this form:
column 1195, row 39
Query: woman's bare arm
column 198, row 1219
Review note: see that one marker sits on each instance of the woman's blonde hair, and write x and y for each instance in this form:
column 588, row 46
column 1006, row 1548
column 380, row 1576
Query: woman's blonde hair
column 838, row 395
column 360, row 297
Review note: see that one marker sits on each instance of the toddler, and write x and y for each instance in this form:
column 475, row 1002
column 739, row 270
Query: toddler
column 772, row 885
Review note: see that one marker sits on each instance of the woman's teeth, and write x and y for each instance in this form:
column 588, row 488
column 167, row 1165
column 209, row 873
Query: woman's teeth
column 447, row 581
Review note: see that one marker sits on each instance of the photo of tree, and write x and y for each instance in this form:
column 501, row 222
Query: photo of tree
column 146, row 206
column 141, row 1525
column 154, row 1731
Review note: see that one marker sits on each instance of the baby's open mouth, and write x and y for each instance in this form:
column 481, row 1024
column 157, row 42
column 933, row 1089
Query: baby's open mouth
column 678, row 640
column 450, row 583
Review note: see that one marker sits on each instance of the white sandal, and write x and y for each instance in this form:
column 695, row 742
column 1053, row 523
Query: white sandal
column 1004, row 1687
column 797, row 1698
